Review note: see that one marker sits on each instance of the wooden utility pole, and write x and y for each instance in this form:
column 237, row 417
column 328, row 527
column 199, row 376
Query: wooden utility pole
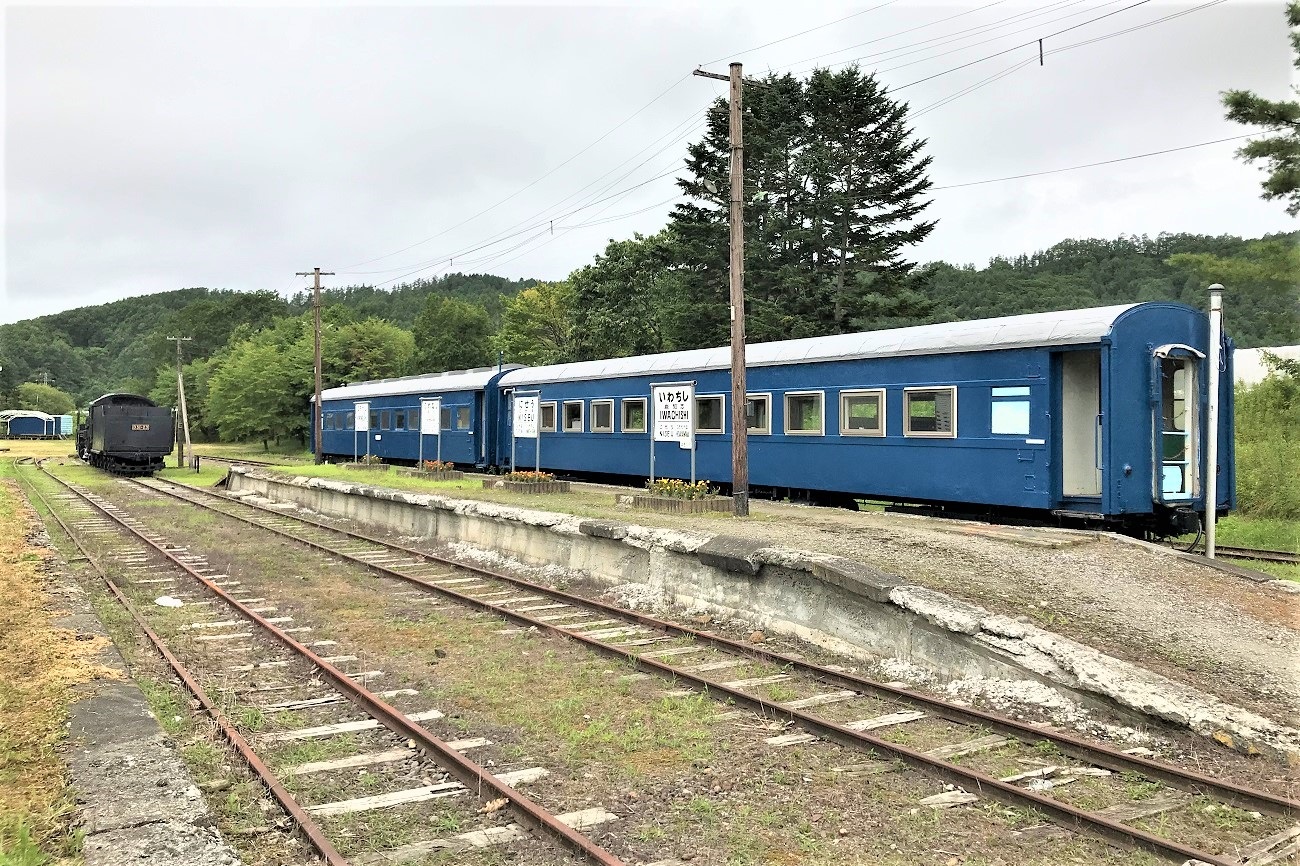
column 739, row 403
column 316, row 410
column 182, row 446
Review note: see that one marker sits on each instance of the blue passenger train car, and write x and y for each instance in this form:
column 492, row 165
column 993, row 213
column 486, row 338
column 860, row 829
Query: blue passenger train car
column 468, row 418
column 1097, row 414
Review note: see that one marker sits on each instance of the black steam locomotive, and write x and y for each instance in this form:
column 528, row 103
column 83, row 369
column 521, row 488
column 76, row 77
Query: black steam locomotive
column 126, row 434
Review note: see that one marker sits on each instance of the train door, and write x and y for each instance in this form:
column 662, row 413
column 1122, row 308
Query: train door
column 1177, row 427
column 1081, row 423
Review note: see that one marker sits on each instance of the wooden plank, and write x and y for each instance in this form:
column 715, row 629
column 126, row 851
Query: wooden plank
column 820, row 700
column 671, row 651
column 478, row 839
column 216, row 637
column 715, row 666
column 948, row 799
column 340, row 728
column 757, row 681
column 455, row 580
column 418, row 795
column 1144, row 808
column 899, row 718
column 1271, row 848
column 329, row 699
column 389, row 756
column 621, row 631
column 533, row 607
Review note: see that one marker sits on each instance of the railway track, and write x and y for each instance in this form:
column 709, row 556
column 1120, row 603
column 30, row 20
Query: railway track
column 858, row 713
column 395, row 736
column 1260, row 555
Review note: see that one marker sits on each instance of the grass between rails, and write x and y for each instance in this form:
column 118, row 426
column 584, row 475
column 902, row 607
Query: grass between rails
column 1261, row 533
column 41, row 667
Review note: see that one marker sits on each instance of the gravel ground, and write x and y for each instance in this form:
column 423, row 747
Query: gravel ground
column 1216, row 631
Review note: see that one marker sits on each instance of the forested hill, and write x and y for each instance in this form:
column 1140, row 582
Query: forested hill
column 631, row 299
column 1262, row 299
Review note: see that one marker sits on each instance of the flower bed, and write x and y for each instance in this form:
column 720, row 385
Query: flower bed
column 677, row 505
column 527, row 486
column 528, row 482
column 440, row 475
column 368, row 467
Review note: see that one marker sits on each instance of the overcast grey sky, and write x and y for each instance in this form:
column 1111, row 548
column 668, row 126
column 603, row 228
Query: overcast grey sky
column 150, row 149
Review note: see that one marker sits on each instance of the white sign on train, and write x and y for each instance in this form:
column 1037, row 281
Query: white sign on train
column 674, row 414
column 362, row 411
column 431, row 417
column 526, row 410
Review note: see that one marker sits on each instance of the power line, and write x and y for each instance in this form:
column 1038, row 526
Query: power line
column 1091, row 164
column 802, row 33
column 528, row 186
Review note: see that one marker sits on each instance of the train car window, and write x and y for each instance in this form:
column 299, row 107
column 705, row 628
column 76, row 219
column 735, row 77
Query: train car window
column 462, row 417
column 444, row 421
column 862, row 413
column 708, row 414
column 547, row 421
column 374, row 420
column 602, row 416
column 930, row 412
column 803, row 413
column 399, row 419
column 413, row 419
column 350, row 421
column 758, row 413
column 1009, row 411
column 573, row 416
column 634, row 415
column 386, row 420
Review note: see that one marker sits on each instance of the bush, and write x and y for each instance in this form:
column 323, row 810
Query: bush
column 1268, row 450
column 677, row 489
column 370, row 460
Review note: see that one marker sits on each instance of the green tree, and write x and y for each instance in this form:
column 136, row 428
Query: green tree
column 537, row 325
column 45, row 398
column 451, row 335
column 369, row 349
column 1280, row 152
column 1262, row 298
column 619, row 300
column 835, row 186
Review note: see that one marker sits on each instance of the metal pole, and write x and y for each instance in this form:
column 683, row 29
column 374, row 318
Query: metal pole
column 1212, row 424
column 693, row 413
column 739, row 425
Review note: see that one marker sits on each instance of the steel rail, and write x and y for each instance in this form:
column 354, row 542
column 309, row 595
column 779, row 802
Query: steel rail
column 1257, row 554
column 468, row 772
column 300, row 816
column 1062, row 813
column 1075, row 747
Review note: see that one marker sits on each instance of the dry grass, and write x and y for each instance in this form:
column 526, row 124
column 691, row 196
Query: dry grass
column 41, row 666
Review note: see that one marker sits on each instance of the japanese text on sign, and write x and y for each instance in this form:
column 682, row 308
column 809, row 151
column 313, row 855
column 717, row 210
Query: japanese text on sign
column 526, row 417
column 362, row 416
column 430, row 417
column 674, row 411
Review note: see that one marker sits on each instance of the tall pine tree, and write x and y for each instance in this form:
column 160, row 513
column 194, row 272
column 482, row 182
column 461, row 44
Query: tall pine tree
column 835, row 186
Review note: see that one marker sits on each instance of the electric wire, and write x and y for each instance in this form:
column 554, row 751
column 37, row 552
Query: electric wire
column 801, row 33
column 533, row 183
column 1091, row 164
column 526, row 225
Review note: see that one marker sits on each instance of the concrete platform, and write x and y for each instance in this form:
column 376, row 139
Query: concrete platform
column 836, row 601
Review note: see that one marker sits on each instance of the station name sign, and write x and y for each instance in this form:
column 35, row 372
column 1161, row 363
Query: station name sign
column 674, row 414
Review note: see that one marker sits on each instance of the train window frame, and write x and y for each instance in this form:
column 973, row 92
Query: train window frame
column 821, row 404
column 881, row 403
column 463, row 419
column 596, row 426
column 374, row 420
column 542, row 409
column 766, row 400
column 399, row 419
column 628, row 403
column 909, row 394
column 385, row 419
column 444, row 419
column 413, row 419
column 350, row 421
column 582, row 416
column 722, row 414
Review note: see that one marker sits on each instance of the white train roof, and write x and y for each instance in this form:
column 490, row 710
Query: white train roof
column 1065, row 328
column 426, row 383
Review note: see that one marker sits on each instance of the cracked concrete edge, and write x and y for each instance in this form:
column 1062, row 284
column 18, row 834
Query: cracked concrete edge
column 1038, row 651
column 137, row 801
